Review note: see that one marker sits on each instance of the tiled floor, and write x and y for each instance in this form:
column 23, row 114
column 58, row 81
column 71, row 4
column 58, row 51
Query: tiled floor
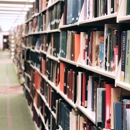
column 14, row 111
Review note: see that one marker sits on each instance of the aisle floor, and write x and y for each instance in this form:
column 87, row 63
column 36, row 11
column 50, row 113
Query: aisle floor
column 14, row 111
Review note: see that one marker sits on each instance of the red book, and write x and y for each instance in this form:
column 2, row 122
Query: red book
column 43, row 67
column 83, row 89
column 71, row 83
column 76, row 46
column 86, row 46
column 64, row 12
column 108, row 105
column 57, row 75
column 62, row 68
column 68, row 84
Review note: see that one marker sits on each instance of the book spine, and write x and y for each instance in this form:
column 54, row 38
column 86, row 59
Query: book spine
column 123, row 55
column 117, row 116
column 127, row 61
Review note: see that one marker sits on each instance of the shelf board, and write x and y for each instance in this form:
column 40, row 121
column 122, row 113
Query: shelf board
column 43, row 10
column 28, row 20
column 52, row 4
column 46, row 103
column 35, row 15
column 53, row 30
column 53, row 58
column 88, row 113
column 114, row 15
column 36, row 50
column 44, row 52
column 53, row 114
column 98, row 70
column 28, row 75
column 53, row 85
column 69, row 25
column 27, row 47
column 43, row 98
column 43, row 32
column 33, row 33
column 43, row 121
column 124, row 18
column 27, row 88
column 123, row 85
column 68, row 61
column 29, row 61
column 37, row 110
column 43, row 76
column 66, row 99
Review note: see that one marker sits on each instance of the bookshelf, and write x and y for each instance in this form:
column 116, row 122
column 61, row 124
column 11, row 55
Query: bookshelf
column 73, row 64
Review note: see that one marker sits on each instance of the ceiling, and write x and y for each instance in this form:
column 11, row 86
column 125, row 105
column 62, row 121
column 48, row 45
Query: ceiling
column 12, row 13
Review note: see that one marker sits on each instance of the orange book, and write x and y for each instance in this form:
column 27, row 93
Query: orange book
column 37, row 80
column 76, row 46
column 43, row 67
column 62, row 68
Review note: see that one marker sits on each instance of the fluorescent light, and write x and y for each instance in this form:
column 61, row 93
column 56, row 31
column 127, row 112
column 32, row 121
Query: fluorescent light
column 12, row 12
column 18, row 0
column 16, row 5
column 13, row 9
column 11, row 18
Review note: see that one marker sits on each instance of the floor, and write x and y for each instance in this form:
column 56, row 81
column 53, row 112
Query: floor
column 14, row 111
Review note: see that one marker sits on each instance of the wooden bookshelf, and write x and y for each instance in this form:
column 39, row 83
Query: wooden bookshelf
column 68, row 65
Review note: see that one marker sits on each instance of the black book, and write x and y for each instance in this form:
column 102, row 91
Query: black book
column 75, row 11
column 112, row 6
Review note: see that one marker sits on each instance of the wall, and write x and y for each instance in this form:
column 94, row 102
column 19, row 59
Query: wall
column 1, row 38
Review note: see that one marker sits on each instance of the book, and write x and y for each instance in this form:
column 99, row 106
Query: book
column 115, row 97
column 127, row 7
column 127, row 61
column 76, row 47
column 108, row 87
column 99, row 107
column 117, row 116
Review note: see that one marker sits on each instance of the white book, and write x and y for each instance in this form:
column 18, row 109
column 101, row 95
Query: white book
column 108, row 7
column 89, row 92
column 79, row 88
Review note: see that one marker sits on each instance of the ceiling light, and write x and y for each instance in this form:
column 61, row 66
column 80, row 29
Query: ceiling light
column 12, row 12
column 16, row 5
column 18, row 0
column 17, row 9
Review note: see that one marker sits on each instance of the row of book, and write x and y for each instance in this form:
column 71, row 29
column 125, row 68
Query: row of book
column 70, row 45
column 69, row 119
column 46, row 66
column 88, row 90
column 95, row 47
column 48, row 43
column 66, row 117
column 38, row 6
column 99, row 8
column 50, row 19
column 72, row 9
column 91, row 9
column 36, row 102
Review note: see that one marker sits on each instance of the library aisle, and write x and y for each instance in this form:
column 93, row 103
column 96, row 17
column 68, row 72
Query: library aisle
column 14, row 112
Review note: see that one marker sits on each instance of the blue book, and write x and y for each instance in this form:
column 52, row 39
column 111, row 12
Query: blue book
column 101, row 53
column 117, row 116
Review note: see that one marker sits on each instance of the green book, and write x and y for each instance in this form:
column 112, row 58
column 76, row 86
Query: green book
column 128, row 7
column 127, row 61
column 63, row 42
